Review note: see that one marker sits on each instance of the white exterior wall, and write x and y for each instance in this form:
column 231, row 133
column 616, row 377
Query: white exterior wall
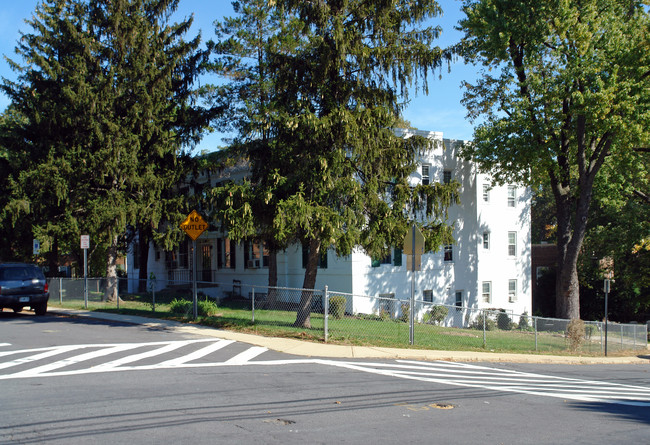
column 471, row 265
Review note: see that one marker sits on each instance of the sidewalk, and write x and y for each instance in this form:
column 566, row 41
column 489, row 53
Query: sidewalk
column 311, row 349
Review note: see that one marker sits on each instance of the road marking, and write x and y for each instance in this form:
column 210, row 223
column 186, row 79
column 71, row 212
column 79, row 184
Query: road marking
column 475, row 376
column 246, row 356
column 5, row 344
column 196, row 354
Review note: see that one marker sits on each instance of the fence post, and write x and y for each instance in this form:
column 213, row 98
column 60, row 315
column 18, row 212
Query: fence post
column 326, row 307
column 60, row 290
column 634, row 336
column 153, row 296
column 535, row 323
column 117, row 286
column 622, row 346
column 601, row 336
column 253, row 303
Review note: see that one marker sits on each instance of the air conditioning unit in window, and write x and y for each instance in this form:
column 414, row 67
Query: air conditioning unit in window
column 253, row 264
column 512, row 299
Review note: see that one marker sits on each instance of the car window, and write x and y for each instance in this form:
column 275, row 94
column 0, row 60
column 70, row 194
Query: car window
column 20, row 273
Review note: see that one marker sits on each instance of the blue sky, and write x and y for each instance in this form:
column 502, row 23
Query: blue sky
column 440, row 110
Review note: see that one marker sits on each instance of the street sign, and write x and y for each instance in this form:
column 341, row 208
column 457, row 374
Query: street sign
column 194, row 225
column 418, row 262
column 418, row 247
column 37, row 247
column 85, row 241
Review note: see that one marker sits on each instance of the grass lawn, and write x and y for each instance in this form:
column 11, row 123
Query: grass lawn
column 348, row 330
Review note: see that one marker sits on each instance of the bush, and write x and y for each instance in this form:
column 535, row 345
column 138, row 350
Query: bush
column 437, row 314
column 406, row 310
column 523, row 322
column 185, row 308
column 575, row 333
column 337, row 306
column 180, row 307
column 503, row 321
column 490, row 324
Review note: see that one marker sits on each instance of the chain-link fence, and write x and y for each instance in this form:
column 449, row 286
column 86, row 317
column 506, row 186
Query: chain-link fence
column 358, row 319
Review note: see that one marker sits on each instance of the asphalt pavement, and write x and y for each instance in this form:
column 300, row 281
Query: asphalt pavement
column 312, row 349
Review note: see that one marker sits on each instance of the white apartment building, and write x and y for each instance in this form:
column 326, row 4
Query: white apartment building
column 487, row 267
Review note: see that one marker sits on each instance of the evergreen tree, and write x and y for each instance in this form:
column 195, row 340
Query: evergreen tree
column 334, row 165
column 106, row 94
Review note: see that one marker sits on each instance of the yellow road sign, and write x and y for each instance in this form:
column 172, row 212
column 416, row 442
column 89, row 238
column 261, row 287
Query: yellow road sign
column 194, row 225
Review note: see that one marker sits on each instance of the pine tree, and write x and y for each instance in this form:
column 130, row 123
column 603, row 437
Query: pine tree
column 106, row 92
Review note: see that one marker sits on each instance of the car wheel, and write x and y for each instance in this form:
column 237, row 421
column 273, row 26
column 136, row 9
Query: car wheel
column 40, row 309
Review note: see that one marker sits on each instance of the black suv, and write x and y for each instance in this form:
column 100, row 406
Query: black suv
column 23, row 285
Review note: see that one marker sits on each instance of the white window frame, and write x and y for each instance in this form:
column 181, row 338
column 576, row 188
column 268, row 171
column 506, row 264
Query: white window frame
column 512, row 196
column 486, row 193
column 448, row 253
column 447, row 176
column 512, row 244
column 458, row 298
column 427, row 295
column 426, row 174
column 512, row 291
column 486, row 292
column 486, row 240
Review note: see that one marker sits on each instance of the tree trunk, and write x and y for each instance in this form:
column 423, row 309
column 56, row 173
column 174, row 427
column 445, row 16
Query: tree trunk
column 144, row 235
column 111, row 294
column 304, row 310
column 272, row 296
column 53, row 257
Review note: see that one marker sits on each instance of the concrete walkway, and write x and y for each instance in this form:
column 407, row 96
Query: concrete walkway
column 312, row 349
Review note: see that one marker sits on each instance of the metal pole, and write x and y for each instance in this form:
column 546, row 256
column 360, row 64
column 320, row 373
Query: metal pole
column 85, row 278
column 253, row 304
column 60, row 290
column 153, row 291
column 326, row 310
column 535, row 321
column 412, row 303
column 606, row 292
column 194, row 293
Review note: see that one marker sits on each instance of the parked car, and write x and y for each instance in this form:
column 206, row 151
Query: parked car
column 23, row 285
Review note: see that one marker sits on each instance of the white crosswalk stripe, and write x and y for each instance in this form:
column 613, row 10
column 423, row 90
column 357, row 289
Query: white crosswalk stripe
column 62, row 363
column 496, row 379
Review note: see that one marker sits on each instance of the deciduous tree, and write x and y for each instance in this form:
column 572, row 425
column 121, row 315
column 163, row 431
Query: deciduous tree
column 565, row 86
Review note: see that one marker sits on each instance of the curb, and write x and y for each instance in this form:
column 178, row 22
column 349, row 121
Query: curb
column 310, row 349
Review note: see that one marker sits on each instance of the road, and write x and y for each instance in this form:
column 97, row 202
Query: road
column 72, row 380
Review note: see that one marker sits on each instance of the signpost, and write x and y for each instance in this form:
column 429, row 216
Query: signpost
column 413, row 248
column 36, row 246
column 85, row 245
column 606, row 287
column 194, row 225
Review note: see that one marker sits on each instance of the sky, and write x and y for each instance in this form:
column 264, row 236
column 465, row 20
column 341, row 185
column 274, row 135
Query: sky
column 440, row 110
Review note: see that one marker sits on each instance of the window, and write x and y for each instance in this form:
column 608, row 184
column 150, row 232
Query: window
column 397, row 257
column 376, row 262
column 425, row 174
column 512, row 195
column 512, row 291
column 486, row 294
column 322, row 258
column 427, row 295
column 256, row 255
column 486, row 193
column 512, row 243
column 486, row 240
column 446, row 176
column 459, row 298
column 225, row 253
column 449, row 253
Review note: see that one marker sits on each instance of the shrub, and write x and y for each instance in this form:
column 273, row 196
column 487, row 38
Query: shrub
column 180, row 307
column 337, row 306
column 575, row 333
column 490, row 324
column 185, row 308
column 523, row 322
column 406, row 310
column 503, row 321
column 437, row 314
column 207, row 307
